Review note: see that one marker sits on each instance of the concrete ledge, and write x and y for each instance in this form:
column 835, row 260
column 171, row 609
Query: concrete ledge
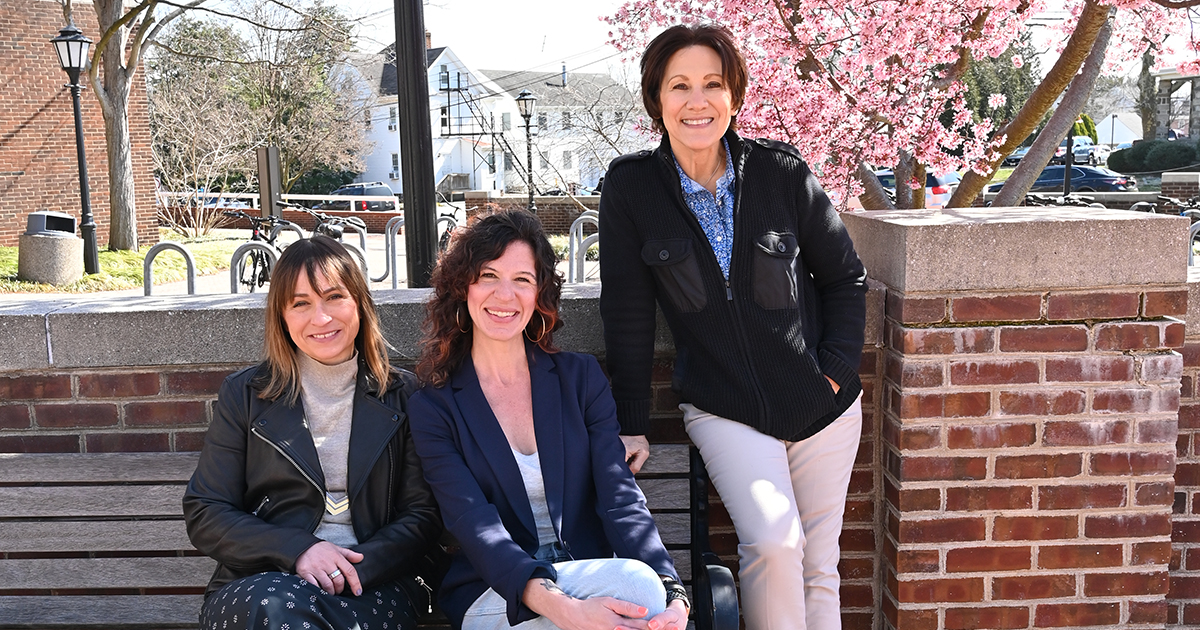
column 92, row 332
column 972, row 249
column 1181, row 178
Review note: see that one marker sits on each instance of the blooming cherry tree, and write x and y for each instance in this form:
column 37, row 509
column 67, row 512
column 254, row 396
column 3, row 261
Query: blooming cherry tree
column 870, row 82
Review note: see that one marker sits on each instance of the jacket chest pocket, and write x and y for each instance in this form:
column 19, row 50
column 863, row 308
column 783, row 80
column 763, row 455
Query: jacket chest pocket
column 678, row 272
column 775, row 271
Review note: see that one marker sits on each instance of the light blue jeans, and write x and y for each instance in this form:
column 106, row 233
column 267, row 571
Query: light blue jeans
column 624, row 579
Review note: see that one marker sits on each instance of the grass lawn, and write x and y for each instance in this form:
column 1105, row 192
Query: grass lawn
column 123, row 270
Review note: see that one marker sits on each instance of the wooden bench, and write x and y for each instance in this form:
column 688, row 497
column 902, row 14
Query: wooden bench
column 97, row 541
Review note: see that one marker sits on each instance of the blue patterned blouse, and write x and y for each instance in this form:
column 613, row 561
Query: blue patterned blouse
column 715, row 214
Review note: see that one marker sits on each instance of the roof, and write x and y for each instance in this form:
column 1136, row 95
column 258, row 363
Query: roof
column 583, row 89
column 388, row 85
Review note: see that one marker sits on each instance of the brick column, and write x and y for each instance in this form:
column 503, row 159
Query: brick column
column 1184, row 598
column 1030, row 406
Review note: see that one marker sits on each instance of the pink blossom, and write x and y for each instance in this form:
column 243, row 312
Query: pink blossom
column 997, row 100
column 1017, row 61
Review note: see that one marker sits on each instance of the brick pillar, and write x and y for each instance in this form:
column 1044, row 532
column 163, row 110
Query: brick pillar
column 1184, row 597
column 1030, row 406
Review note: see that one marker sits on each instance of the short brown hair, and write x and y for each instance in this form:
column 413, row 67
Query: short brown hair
column 658, row 54
column 448, row 327
column 310, row 256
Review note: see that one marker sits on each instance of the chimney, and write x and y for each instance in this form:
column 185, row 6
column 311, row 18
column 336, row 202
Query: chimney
column 428, row 40
column 564, row 74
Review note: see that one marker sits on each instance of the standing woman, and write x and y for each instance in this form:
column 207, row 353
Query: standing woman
column 765, row 298
column 309, row 493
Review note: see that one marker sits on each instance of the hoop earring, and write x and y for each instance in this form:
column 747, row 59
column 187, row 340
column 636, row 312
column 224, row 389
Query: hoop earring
column 541, row 336
column 458, row 320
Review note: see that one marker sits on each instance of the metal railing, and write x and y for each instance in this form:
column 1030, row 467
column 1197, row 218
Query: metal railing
column 577, row 245
column 148, row 270
column 237, row 262
column 391, row 252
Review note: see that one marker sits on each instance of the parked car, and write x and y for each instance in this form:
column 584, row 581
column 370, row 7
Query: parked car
column 375, row 189
column 938, row 188
column 1060, row 154
column 1084, row 179
column 1014, row 158
column 1094, row 154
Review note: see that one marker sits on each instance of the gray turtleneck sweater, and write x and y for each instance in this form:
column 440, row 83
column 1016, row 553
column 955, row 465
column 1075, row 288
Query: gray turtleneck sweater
column 327, row 392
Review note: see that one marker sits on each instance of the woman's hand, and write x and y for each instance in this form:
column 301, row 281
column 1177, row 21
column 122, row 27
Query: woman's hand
column 329, row 566
column 834, row 385
column 544, row 597
column 675, row 617
column 637, row 451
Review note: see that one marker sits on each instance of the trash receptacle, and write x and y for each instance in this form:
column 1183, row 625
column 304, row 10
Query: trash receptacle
column 49, row 251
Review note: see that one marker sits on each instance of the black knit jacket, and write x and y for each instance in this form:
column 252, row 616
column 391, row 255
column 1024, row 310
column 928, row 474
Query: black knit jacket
column 754, row 349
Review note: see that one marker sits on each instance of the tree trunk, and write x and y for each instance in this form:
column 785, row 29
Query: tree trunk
column 1091, row 19
column 918, row 193
column 903, row 173
column 874, row 197
column 122, row 219
column 1147, row 95
column 1060, row 124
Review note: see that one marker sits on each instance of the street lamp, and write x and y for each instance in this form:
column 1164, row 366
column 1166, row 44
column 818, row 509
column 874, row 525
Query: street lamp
column 525, row 103
column 72, row 48
column 1112, row 132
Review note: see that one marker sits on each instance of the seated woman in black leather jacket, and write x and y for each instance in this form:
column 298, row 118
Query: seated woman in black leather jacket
column 309, row 493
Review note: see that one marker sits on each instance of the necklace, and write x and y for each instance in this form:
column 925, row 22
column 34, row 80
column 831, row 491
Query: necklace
column 714, row 174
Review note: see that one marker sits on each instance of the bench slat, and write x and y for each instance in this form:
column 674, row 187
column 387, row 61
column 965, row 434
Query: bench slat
column 667, row 459
column 114, row 573
column 101, row 612
column 90, row 501
column 77, row 536
column 39, row 468
column 666, row 494
column 674, row 528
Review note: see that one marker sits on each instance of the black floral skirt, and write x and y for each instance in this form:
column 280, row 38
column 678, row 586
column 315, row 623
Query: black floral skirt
column 282, row 601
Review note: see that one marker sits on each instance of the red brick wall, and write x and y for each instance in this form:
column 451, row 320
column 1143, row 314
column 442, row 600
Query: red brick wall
column 556, row 213
column 1029, row 447
column 1184, row 598
column 38, row 167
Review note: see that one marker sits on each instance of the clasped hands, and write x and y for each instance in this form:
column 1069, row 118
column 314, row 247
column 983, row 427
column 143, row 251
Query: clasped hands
column 598, row 613
column 330, row 567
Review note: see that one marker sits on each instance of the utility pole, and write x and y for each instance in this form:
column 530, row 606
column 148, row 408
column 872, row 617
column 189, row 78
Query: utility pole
column 416, row 142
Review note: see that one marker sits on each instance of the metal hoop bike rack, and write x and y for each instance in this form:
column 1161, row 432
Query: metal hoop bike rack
column 148, row 271
column 577, row 245
column 284, row 224
column 362, row 259
column 238, row 262
column 389, row 249
column 1192, row 231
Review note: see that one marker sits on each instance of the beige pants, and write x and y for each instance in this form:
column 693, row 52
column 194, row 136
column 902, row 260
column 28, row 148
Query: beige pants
column 786, row 500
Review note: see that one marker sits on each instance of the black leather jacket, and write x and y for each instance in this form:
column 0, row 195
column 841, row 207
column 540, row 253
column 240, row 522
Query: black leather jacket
column 258, row 493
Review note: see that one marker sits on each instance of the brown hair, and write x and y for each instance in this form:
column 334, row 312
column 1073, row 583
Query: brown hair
column 448, row 327
column 325, row 256
column 658, row 54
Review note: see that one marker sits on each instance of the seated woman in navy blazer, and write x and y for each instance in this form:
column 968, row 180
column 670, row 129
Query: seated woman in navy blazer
column 520, row 445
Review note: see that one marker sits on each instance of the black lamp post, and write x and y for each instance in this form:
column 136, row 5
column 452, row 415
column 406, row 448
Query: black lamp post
column 1112, row 132
column 72, row 48
column 525, row 103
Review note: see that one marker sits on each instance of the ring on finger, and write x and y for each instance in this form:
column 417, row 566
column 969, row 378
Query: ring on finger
column 335, row 574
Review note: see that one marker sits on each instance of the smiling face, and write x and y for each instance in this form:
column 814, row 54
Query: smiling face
column 502, row 300
column 323, row 320
column 697, row 104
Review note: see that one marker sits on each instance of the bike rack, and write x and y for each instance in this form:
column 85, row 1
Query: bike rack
column 362, row 258
column 362, row 234
column 284, row 224
column 451, row 220
column 389, row 248
column 580, row 251
column 238, row 261
column 1192, row 231
column 148, row 271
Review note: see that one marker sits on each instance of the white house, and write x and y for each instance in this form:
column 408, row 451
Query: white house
column 581, row 122
column 1119, row 128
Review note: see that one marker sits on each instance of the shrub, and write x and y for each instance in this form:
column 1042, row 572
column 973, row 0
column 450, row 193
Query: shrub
column 1170, row 155
column 1119, row 161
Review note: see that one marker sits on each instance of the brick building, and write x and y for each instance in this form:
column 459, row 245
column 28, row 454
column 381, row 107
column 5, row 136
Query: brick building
column 38, row 168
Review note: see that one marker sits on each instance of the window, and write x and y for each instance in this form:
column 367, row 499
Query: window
column 443, row 78
column 491, row 162
column 506, row 121
column 445, row 118
column 545, row 161
column 618, row 118
column 566, row 120
column 542, row 120
column 508, row 161
column 566, row 159
column 395, row 161
column 367, row 117
column 391, row 118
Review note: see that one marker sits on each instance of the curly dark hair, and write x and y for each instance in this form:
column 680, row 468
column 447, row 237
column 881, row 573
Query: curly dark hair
column 445, row 344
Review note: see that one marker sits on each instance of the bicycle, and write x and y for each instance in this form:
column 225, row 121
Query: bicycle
column 450, row 222
column 1189, row 208
column 256, row 266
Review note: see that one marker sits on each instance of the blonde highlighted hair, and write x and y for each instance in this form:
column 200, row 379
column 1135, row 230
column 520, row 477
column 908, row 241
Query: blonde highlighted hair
column 318, row 256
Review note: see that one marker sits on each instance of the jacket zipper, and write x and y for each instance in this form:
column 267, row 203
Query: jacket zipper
column 428, row 594
column 695, row 225
column 261, row 505
column 317, row 521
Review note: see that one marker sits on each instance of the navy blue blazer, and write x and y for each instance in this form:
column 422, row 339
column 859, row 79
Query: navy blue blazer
column 597, row 509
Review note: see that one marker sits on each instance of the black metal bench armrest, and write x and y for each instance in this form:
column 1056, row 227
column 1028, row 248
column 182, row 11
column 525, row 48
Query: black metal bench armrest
column 714, row 595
